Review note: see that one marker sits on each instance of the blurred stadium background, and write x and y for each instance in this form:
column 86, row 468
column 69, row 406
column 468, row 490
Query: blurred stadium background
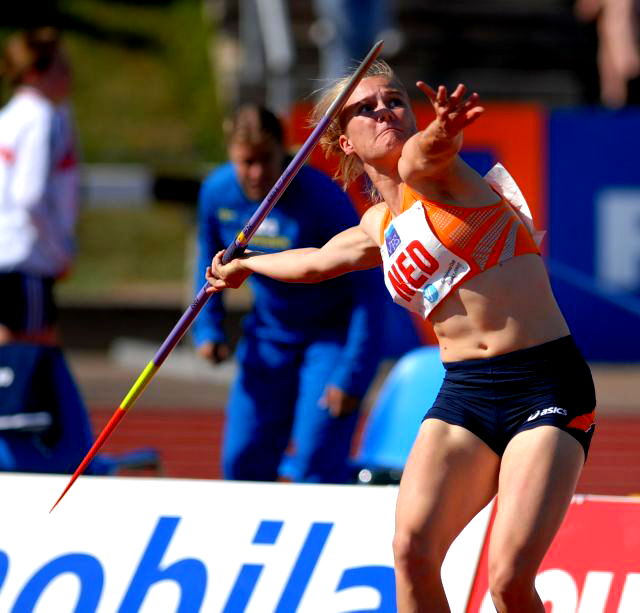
column 153, row 79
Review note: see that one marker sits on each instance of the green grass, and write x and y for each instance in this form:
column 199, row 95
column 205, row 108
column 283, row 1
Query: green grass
column 125, row 250
column 144, row 89
column 144, row 93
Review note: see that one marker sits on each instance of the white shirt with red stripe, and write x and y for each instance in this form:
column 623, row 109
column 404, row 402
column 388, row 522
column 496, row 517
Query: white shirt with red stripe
column 39, row 182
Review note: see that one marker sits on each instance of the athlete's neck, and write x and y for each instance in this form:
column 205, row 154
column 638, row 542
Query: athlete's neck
column 389, row 186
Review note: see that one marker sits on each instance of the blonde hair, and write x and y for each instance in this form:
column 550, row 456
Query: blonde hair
column 349, row 166
column 29, row 50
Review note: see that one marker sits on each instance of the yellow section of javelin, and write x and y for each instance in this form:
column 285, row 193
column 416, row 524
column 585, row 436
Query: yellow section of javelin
column 241, row 237
column 138, row 387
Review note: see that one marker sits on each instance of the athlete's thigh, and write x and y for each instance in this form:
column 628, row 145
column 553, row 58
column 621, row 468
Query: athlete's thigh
column 450, row 475
column 539, row 471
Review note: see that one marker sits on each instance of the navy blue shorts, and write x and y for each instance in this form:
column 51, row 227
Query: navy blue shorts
column 27, row 303
column 495, row 398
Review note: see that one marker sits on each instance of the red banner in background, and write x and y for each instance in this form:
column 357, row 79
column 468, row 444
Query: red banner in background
column 514, row 134
column 593, row 565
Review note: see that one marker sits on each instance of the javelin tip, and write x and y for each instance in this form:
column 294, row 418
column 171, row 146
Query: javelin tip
column 108, row 429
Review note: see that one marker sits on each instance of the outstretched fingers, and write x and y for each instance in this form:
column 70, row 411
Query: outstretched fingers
column 472, row 115
column 457, row 96
column 440, row 97
column 427, row 91
column 471, row 109
column 453, row 110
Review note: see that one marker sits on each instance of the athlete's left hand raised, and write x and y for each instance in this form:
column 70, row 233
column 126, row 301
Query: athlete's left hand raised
column 453, row 111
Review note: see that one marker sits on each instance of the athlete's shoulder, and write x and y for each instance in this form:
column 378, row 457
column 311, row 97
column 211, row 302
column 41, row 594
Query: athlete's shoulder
column 375, row 212
column 372, row 219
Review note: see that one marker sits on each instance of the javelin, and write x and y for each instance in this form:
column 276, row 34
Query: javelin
column 237, row 246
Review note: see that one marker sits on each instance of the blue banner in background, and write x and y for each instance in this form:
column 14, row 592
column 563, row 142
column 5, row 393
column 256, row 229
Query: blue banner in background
column 481, row 160
column 594, row 228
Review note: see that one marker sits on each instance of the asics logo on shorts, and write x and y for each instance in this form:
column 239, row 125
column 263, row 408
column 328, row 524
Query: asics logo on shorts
column 547, row 411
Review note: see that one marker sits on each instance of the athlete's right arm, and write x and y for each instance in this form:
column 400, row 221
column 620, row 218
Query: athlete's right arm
column 352, row 249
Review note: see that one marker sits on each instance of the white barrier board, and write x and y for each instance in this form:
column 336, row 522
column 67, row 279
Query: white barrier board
column 164, row 545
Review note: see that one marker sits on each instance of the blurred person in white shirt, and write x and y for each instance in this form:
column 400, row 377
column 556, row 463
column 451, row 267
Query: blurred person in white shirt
column 38, row 185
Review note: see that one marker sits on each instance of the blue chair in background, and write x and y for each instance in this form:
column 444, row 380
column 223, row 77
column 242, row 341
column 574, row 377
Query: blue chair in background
column 44, row 425
column 394, row 420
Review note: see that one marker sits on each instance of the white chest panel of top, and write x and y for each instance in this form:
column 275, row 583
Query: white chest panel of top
column 419, row 271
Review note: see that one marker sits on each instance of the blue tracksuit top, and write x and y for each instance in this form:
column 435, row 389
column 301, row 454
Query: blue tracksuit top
column 311, row 211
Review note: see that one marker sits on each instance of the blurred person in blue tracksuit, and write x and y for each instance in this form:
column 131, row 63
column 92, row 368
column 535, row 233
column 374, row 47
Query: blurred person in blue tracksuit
column 308, row 352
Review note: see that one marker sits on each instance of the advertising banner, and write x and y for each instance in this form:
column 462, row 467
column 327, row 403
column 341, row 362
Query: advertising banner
column 594, row 228
column 162, row 545
column 593, row 565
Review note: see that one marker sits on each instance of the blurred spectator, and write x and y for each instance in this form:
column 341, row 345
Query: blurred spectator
column 308, row 353
column 38, row 183
column 618, row 57
column 345, row 30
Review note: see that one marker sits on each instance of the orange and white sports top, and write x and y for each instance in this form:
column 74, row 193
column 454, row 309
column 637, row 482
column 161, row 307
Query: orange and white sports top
column 430, row 249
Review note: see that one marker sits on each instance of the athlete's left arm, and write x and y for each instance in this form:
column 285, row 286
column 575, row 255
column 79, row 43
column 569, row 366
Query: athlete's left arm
column 430, row 157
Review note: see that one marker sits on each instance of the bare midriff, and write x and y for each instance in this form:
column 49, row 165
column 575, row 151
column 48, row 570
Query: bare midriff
column 506, row 308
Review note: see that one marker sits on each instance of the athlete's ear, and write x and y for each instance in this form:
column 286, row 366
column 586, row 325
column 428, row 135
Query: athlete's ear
column 345, row 144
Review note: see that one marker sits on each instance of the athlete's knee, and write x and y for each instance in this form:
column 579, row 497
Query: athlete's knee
column 512, row 584
column 416, row 555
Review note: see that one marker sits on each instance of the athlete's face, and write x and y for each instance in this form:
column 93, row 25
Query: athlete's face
column 377, row 120
column 257, row 166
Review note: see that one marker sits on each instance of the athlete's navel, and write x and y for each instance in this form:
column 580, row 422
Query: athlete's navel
column 483, row 346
